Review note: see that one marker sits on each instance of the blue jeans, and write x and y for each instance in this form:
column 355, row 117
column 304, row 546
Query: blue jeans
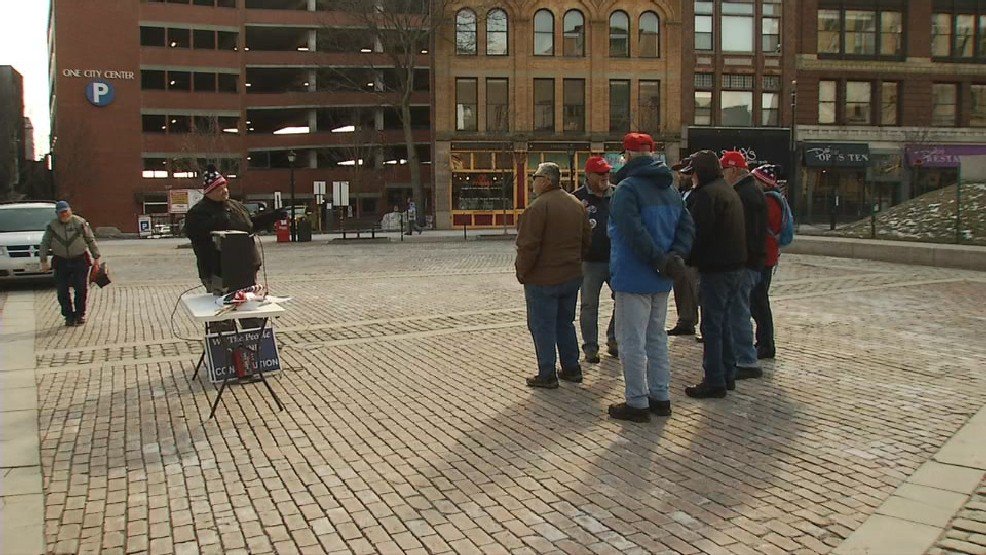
column 594, row 274
column 71, row 273
column 644, row 347
column 740, row 323
column 551, row 319
column 719, row 291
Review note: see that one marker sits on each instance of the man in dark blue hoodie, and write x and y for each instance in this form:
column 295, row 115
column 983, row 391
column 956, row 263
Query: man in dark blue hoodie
column 650, row 232
column 596, row 196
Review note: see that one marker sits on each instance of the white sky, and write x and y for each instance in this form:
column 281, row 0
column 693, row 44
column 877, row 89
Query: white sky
column 24, row 45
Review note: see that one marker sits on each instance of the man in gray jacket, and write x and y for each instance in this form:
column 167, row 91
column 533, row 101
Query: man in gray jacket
column 69, row 239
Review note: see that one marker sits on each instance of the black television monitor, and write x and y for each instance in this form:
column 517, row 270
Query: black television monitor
column 238, row 259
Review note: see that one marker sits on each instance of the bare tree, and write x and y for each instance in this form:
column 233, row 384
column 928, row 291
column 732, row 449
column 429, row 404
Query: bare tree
column 399, row 34
column 207, row 143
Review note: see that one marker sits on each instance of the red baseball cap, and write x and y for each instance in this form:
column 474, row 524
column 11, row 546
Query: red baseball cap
column 733, row 159
column 638, row 142
column 597, row 164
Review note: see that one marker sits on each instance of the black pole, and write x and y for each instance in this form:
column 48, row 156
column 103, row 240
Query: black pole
column 958, row 210
column 294, row 226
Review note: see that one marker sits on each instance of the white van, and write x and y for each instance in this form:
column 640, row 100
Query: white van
column 22, row 225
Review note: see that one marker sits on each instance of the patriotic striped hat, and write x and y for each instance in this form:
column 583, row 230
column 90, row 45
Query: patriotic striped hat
column 212, row 179
column 767, row 174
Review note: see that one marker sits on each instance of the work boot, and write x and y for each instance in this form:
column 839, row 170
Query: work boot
column 613, row 348
column 660, row 408
column 572, row 375
column 537, row 381
column 623, row 411
column 705, row 391
column 747, row 373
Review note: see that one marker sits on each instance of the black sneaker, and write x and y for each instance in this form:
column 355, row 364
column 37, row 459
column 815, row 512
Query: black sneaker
column 80, row 320
column 537, row 381
column 613, row 349
column 622, row 411
column 593, row 358
column 765, row 353
column 574, row 375
column 660, row 408
column 681, row 330
column 69, row 322
column 705, row 391
column 746, row 373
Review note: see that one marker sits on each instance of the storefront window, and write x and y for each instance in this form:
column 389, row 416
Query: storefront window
column 482, row 181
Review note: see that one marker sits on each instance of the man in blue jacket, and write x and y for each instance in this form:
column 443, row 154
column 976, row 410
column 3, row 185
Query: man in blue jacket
column 651, row 232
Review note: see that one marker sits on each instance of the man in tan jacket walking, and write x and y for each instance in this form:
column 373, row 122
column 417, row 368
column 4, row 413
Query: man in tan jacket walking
column 553, row 238
column 70, row 242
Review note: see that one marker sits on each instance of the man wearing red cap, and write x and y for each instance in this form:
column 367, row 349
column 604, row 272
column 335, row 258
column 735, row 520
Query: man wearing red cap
column 217, row 212
column 651, row 231
column 595, row 196
column 737, row 174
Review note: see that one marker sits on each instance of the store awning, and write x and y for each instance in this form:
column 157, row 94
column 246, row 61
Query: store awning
column 837, row 155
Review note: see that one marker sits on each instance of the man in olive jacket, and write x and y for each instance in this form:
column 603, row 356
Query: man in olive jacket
column 217, row 212
column 553, row 238
column 68, row 239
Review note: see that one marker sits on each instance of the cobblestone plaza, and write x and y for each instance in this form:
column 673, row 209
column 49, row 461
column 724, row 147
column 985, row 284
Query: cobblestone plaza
column 409, row 429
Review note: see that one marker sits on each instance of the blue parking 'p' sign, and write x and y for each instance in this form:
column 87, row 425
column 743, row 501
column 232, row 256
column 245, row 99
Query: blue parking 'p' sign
column 100, row 93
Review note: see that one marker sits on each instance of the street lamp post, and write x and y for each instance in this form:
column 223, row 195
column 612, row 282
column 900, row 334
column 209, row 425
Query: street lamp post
column 294, row 226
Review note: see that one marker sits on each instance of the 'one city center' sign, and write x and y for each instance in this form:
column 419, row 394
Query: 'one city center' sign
column 98, row 74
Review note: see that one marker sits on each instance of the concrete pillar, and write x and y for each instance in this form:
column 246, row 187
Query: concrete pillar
column 441, row 168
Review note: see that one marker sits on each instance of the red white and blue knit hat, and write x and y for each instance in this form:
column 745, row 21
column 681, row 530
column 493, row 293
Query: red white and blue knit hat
column 212, row 180
column 767, row 174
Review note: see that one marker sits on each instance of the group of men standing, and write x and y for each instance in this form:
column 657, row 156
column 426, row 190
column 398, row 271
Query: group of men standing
column 713, row 239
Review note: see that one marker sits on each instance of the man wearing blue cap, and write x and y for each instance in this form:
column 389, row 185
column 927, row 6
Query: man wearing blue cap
column 69, row 239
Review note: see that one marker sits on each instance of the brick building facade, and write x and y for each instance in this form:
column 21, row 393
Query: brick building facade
column 521, row 84
column 144, row 94
column 888, row 93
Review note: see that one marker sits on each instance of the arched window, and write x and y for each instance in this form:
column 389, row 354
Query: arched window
column 650, row 35
column 574, row 29
column 465, row 32
column 619, row 35
column 496, row 33
column 544, row 33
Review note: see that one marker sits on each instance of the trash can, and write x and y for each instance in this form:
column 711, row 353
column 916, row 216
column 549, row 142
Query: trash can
column 304, row 230
column 283, row 231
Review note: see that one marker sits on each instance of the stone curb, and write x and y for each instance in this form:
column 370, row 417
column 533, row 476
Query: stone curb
column 914, row 517
column 21, row 494
column 967, row 257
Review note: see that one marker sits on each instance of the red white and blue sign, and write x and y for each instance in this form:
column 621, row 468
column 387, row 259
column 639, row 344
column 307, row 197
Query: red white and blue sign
column 100, row 93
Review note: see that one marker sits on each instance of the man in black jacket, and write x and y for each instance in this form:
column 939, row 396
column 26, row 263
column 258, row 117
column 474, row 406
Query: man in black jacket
column 738, row 175
column 595, row 196
column 217, row 212
column 719, row 253
column 686, row 283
